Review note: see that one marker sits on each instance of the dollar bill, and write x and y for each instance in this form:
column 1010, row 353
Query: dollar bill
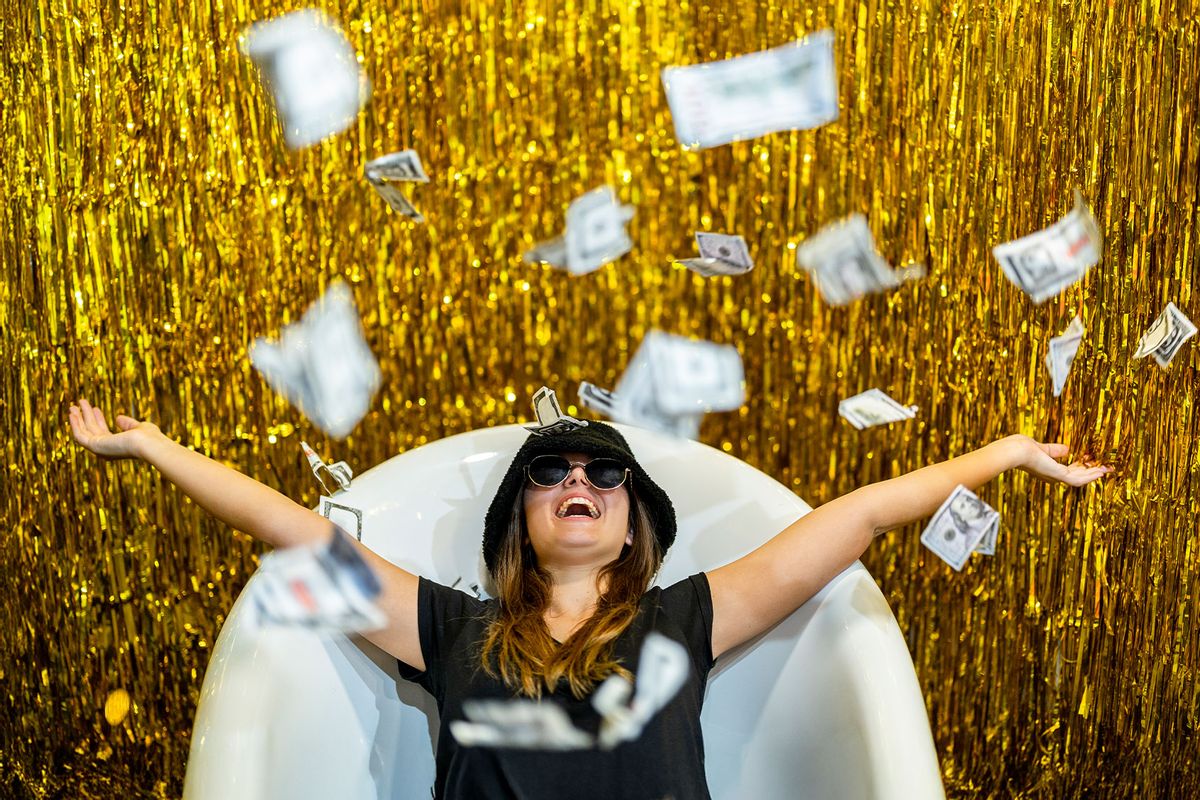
column 959, row 526
column 404, row 165
column 1166, row 336
column 845, row 264
column 520, row 724
column 346, row 517
column 670, row 383
column 322, row 587
column 339, row 473
column 382, row 172
column 662, row 670
column 1045, row 262
column 873, row 407
column 1062, row 354
column 595, row 234
column 602, row 401
column 792, row 87
column 311, row 72
column 720, row 254
column 550, row 419
column 322, row 363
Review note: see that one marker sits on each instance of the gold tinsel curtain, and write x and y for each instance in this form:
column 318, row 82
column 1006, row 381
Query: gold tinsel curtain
column 154, row 225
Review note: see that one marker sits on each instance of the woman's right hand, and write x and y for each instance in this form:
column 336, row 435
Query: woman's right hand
column 91, row 430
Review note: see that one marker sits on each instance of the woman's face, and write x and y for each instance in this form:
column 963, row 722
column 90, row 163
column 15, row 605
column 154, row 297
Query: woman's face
column 574, row 523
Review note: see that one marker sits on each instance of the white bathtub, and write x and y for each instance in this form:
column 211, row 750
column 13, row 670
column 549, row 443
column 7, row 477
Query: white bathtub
column 826, row 705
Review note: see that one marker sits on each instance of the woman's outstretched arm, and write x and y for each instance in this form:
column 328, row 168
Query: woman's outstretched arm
column 247, row 505
column 761, row 588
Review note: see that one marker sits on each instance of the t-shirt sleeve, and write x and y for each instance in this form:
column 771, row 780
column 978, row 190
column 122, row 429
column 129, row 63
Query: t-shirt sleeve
column 689, row 605
column 442, row 615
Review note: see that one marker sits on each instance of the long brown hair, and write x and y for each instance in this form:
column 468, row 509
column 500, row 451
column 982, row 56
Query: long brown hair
column 518, row 647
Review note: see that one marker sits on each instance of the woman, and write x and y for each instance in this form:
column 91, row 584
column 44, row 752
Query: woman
column 572, row 540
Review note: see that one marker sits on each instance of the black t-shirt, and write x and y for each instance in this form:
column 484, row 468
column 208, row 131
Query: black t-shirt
column 666, row 761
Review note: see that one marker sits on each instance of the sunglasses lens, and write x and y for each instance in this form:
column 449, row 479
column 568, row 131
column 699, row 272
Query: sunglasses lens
column 605, row 473
column 548, row 470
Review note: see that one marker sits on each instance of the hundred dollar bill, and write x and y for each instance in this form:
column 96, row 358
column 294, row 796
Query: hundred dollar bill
column 550, row 419
column 1044, row 263
column 1062, row 353
column 670, row 383
column 595, row 234
column 845, row 264
column 1166, row 336
column 520, row 724
column 873, row 407
column 340, row 472
column 312, row 73
column 322, row 364
column 958, row 527
column 720, row 254
column 404, row 165
column 792, row 87
column 324, row 587
column 661, row 671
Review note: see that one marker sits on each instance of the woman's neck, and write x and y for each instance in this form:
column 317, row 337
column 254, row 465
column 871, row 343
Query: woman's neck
column 574, row 592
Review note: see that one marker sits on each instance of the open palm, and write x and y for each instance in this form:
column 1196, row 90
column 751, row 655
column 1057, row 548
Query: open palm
column 1042, row 460
column 90, row 429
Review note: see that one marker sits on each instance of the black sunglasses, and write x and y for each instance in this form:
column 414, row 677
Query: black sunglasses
column 550, row 470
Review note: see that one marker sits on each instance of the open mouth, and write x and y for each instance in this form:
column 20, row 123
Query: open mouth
column 578, row 507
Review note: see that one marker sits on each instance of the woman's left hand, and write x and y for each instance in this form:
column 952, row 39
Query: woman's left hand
column 1041, row 459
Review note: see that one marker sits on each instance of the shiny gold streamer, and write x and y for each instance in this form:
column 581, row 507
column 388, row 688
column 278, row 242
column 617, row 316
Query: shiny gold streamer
column 154, row 225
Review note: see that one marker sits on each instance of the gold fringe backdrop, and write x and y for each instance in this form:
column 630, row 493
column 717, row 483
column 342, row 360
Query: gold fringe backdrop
column 154, row 225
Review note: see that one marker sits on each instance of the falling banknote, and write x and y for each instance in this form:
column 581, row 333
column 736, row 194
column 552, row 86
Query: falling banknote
column 960, row 526
column 792, row 87
column 520, row 724
column 1062, row 354
column 720, row 254
column 312, row 73
column 845, row 264
column 322, row 587
column 1044, row 263
column 873, row 407
column 662, row 670
column 550, row 419
column 1166, row 336
column 670, row 383
column 595, row 234
column 322, row 363
column 404, row 166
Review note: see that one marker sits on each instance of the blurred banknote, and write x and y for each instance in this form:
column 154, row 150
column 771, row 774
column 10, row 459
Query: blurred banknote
column 1166, row 336
column 323, row 587
column 845, row 264
column 786, row 88
column 720, row 254
column 521, row 724
column 670, row 383
column 960, row 526
column 873, row 407
column 662, row 670
column 550, row 419
column 1062, row 353
column 312, row 73
column 1044, row 263
column 322, row 363
column 595, row 234
column 404, row 166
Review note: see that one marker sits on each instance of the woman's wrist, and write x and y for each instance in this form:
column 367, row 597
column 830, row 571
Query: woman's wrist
column 1013, row 452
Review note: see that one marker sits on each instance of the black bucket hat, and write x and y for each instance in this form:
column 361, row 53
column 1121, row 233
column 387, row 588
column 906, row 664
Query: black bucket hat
column 597, row 440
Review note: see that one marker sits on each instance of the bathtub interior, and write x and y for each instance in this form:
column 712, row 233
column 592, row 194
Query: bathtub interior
column 826, row 701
